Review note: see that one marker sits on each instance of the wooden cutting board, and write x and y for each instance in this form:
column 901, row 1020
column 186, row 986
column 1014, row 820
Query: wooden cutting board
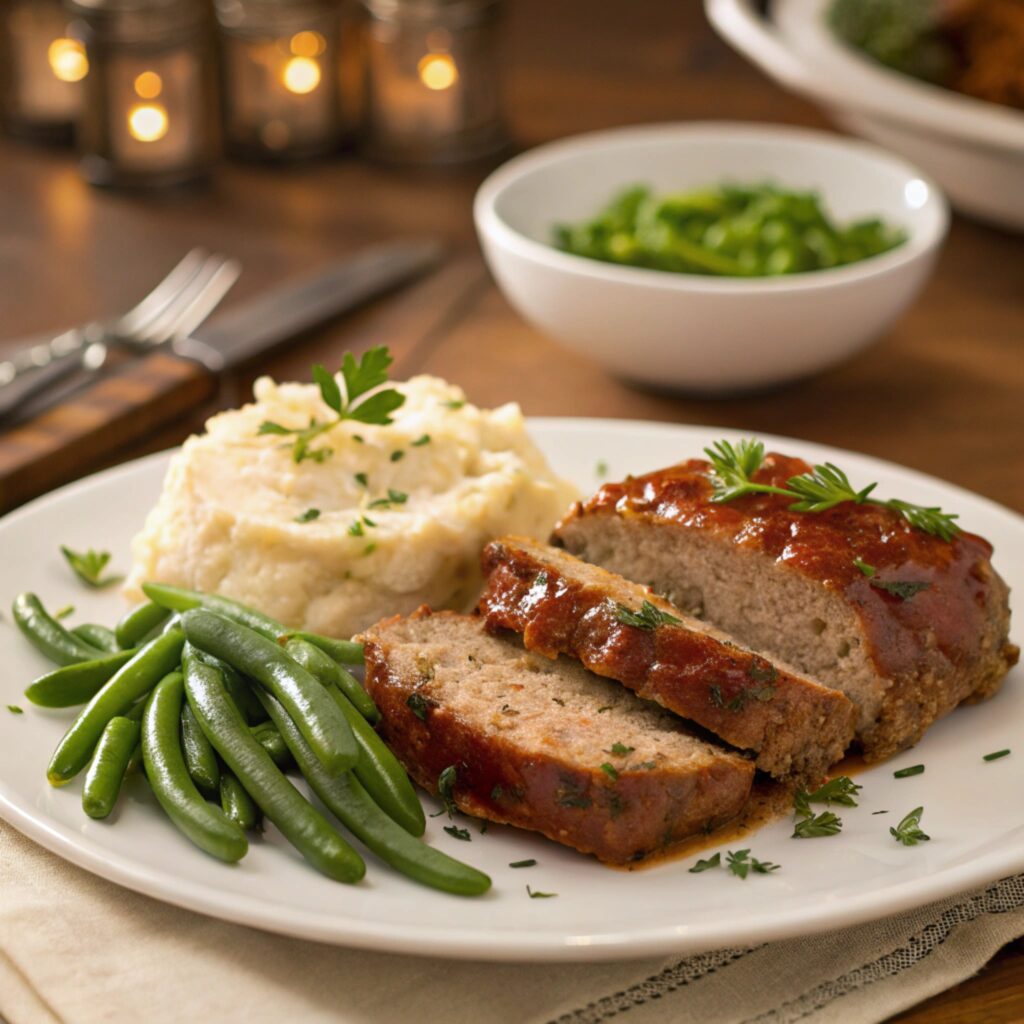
column 136, row 398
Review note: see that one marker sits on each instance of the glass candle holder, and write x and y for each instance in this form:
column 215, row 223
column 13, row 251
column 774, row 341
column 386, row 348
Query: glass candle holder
column 43, row 64
column 149, row 117
column 431, row 88
column 281, row 76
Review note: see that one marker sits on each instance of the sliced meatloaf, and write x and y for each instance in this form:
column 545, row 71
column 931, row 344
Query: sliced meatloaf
column 544, row 745
column 905, row 623
column 622, row 630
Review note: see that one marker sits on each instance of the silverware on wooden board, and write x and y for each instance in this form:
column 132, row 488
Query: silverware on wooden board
column 177, row 305
column 169, row 319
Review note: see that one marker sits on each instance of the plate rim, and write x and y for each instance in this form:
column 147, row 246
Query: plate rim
column 525, row 946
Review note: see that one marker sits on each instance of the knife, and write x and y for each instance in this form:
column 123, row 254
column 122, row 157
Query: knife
column 143, row 393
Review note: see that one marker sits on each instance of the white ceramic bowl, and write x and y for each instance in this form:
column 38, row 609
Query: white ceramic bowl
column 975, row 150
column 694, row 332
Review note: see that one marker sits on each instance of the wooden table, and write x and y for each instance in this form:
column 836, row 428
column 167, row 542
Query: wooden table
column 943, row 392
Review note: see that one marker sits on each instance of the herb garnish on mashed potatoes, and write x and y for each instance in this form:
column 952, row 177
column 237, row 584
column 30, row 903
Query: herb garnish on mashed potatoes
column 404, row 506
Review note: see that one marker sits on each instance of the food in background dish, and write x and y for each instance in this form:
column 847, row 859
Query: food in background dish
column 335, row 526
column 725, row 230
column 972, row 46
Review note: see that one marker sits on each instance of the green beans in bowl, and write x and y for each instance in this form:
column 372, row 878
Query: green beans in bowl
column 774, row 285
column 729, row 230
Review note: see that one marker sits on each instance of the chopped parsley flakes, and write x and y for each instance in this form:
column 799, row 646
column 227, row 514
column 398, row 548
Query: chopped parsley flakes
column 536, row 894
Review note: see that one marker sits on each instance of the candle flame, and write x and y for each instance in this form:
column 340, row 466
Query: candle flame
column 67, row 60
column 438, row 71
column 307, row 44
column 147, row 122
column 148, row 85
column 301, row 75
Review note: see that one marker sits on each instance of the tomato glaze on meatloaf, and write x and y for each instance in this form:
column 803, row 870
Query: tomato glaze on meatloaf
column 796, row 727
column 906, row 624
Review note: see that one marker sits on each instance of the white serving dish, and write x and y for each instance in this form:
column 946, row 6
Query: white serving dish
column 698, row 333
column 974, row 149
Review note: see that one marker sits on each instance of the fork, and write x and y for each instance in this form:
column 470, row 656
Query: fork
column 172, row 310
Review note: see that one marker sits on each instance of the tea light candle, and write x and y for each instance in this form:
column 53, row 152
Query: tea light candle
column 45, row 65
column 431, row 80
column 281, row 76
column 148, row 117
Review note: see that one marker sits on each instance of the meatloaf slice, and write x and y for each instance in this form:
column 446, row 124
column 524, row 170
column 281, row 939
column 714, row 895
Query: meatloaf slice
column 544, row 745
column 905, row 623
column 560, row 605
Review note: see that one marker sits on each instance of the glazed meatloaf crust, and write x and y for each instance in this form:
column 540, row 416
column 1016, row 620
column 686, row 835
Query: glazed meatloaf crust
column 906, row 624
column 544, row 745
column 560, row 605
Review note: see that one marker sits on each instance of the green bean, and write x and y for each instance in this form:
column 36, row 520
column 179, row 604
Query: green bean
column 75, row 684
column 322, row 723
column 377, row 768
column 321, row 665
column 108, row 766
column 270, row 740
column 237, row 804
column 381, row 773
column 135, row 678
column 137, row 624
column 207, row 826
column 313, row 660
column 100, row 637
column 348, row 652
column 348, row 800
column 47, row 635
column 200, row 757
column 300, row 823
column 135, row 762
column 331, row 674
column 180, row 600
column 136, row 711
column 239, row 689
column 360, row 699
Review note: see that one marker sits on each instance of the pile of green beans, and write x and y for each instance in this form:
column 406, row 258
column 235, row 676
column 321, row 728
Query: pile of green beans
column 726, row 230
column 216, row 704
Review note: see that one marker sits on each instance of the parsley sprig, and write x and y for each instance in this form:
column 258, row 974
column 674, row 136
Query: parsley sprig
column 649, row 617
column 824, row 824
column 840, row 790
column 738, row 863
column 741, row 864
column 908, row 831
column 359, row 396
column 445, row 785
column 88, row 566
column 825, row 487
column 713, row 861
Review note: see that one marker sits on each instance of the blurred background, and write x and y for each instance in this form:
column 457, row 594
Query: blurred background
column 287, row 134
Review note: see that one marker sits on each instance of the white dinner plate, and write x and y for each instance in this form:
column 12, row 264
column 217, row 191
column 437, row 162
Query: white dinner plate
column 972, row 808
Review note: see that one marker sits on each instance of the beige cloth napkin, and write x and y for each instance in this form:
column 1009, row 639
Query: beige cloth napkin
column 76, row 949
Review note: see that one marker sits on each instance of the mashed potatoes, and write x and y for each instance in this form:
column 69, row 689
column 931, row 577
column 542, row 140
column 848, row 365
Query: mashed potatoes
column 404, row 509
